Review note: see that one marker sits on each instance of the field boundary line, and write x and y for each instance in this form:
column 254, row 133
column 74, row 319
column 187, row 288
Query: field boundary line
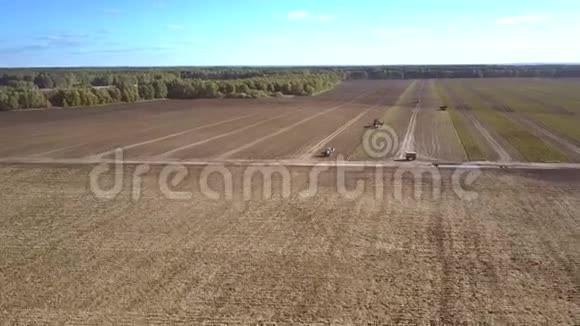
column 495, row 145
column 276, row 133
column 459, row 122
column 408, row 143
column 409, row 139
column 549, row 136
column 563, row 139
column 233, row 132
column 287, row 128
column 310, row 152
column 434, row 91
column 492, row 143
column 147, row 142
column 60, row 149
column 385, row 110
column 290, row 163
column 458, row 138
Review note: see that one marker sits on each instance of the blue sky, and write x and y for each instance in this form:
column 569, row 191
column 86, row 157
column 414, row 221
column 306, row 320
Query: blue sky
column 279, row 32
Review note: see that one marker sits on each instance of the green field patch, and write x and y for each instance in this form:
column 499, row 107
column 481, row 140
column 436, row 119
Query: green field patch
column 531, row 148
column 565, row 125
column 548, row 111
column 468, row 141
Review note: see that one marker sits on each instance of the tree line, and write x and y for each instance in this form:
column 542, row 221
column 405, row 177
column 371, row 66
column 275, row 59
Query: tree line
column 462, row 71
column 23, row 94
column 49, row 78
column 43, row 87
column 77, row 77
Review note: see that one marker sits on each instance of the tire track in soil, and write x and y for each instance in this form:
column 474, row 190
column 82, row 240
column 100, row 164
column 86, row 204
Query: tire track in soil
column 553, row 108
column 68, row 130
column 147, row 142
column 280, row 131
column 393, row 104
column 533, row 126
column 310, row 152
column 313, row 149
column 567, row 264
column 437, row 139
column 233, row 132
column 504, row 156
column 541, row 129
column 290, row 127
column 376, row 106
column 460, row 246
column 408, row 144
column 56, row 150
column 493, row 144
column 437, row 232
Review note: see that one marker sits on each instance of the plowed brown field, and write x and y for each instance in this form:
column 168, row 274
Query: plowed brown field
column 175, row 130
column 510, row 255
column 489, row 243
column 300, row 128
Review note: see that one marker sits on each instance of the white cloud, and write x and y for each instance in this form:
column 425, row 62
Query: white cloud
column 299, row 15
column 527, row 19
column 175, row 27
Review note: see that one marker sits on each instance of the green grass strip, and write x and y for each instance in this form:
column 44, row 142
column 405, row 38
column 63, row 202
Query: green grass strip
column 470, row 145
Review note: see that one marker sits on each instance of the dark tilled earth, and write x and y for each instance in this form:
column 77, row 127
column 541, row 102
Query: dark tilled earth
column 503, row 249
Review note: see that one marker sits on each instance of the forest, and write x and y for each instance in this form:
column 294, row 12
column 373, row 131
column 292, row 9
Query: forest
column 22, row 88
column 30, row 88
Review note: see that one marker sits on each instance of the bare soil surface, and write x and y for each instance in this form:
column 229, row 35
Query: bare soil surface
column 271, row 128
column 347, row 137
column 429, row 131
column 408, row 141
column 402, row 119
column 298, row 127
column 435, row 136
column 416, row 244
column 503, row 250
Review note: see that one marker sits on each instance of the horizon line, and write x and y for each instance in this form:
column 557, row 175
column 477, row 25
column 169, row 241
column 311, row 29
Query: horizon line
column 300, row 66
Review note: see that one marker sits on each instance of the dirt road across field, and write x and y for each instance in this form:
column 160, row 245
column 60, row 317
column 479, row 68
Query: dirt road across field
column 408, row 142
